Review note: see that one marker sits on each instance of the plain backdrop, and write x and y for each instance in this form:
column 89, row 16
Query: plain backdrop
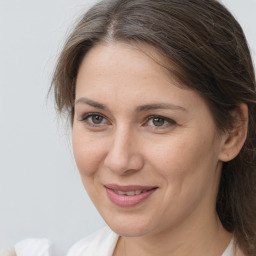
column 41, row 194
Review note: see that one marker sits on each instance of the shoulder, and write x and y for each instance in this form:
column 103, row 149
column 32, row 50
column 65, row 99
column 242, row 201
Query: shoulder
column 7, row 252
column 33, row 247
column 102, row 242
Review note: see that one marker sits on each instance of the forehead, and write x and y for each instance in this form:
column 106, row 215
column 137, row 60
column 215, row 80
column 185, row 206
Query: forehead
column 117, row 59
column 138, row 56
column 121, row 72
column 118, row 68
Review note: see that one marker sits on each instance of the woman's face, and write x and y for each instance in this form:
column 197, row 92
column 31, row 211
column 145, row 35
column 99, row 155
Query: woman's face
column 147, row 150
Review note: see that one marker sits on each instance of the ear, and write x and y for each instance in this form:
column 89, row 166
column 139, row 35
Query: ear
column 233, row 140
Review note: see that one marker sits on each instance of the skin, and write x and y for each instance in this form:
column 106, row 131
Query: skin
column 9, row 252
column 180, row 153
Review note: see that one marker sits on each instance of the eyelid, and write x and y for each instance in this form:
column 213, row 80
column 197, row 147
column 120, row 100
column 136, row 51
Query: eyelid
column 89, row 114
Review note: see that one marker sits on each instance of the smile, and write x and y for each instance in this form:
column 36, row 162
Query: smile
column 130, row 193
column 128, row 196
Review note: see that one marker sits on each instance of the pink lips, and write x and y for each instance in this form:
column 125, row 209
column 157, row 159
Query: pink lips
column 128, row 200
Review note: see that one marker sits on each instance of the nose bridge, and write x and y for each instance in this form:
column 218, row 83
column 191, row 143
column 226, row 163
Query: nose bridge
column 123, row 155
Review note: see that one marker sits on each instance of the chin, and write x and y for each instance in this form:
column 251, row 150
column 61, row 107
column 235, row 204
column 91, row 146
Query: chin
column 129, row 231
column 130, row 228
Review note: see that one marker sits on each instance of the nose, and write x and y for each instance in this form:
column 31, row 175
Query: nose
column 123, row 156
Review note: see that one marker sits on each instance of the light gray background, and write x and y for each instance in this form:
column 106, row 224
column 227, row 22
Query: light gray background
column 40, row 190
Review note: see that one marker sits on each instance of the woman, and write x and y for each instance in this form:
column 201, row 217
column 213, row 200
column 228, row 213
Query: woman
column 161, row 98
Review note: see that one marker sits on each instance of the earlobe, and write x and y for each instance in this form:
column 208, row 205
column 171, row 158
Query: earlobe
column 234, row 139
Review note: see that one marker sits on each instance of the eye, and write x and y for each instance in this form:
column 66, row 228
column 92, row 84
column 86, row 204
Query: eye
column 94, row 119
column 160, row 122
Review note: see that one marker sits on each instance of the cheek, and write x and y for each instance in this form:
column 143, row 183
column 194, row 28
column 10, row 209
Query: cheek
column 188, row 170
column 189, row 159
column 88, row 154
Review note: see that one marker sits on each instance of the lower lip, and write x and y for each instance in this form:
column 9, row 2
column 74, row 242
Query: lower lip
column 128, row 201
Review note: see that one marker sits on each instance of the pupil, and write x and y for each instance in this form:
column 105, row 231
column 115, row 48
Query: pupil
column 97, row 119
column 158, row 121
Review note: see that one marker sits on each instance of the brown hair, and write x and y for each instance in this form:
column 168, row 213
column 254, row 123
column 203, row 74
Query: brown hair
column 209, row 49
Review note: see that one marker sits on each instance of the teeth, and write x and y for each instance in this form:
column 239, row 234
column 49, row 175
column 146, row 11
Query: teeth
column 130, row 193
column 120, row 192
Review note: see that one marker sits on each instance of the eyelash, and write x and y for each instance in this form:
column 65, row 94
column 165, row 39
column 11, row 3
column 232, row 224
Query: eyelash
column 167, row 121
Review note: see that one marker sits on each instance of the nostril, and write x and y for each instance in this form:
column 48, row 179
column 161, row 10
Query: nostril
column 125, row 164
column 116, row 164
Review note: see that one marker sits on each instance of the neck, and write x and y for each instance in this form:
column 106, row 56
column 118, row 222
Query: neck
column 209, row 239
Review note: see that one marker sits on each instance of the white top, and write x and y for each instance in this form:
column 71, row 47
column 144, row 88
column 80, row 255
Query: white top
column 33, row 247
column 29, row 247
column 100, row 243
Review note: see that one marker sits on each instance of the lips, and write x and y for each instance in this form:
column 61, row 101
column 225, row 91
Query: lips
column 128, row 196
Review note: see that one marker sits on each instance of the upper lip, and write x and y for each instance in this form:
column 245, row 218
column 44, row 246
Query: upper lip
column 129, row 187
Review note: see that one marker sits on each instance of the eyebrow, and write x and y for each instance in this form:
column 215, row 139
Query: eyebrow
column 90, row 102
column 156, row 106
column 142, row 108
